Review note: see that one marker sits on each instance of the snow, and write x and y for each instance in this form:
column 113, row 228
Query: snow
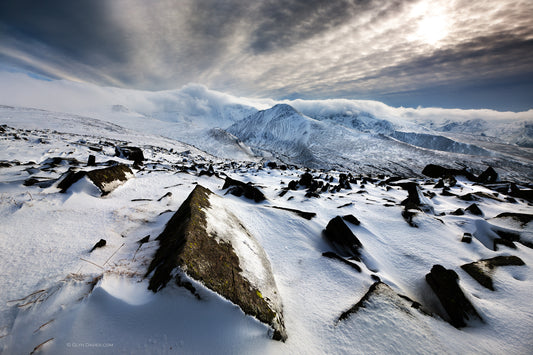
column 99, row 303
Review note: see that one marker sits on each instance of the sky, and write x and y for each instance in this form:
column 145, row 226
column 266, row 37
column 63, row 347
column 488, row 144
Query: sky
column 440, row 53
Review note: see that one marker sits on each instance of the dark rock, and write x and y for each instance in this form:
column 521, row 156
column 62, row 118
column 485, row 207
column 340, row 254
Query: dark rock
column 239, row 188
column 91, row 161
column 440, row 184
column 408, row 216
column 444, row 283
column 458, row 212
column 306, row 179
column 342, row 239
column 283, row 192
column 187, row 285
column 467, row 238
column 474, row 209
column 352, row 219
column 69, row 178
column 468, row 197
column 505, row 242
column 437, row 171
column 306, row 215
column 332, row 255
column 107, row 179
column 312, row 194
column 510, row 236
column 144, row 240
column 489, row 176
column 378, row 289
column 101, row 243
column 482, row 270
column 168, row 194
column 526, row 194
column 293, row 185
column 523, row 218
column 272, row 165
column 345, row 205
column 131, row 153
column 209, row 172
column 186, row 243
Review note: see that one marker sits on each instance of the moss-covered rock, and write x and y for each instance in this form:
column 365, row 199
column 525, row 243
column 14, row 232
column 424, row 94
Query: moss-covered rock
column 199, row 248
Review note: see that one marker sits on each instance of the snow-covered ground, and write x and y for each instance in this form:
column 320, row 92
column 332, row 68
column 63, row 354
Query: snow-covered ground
column 59, row 298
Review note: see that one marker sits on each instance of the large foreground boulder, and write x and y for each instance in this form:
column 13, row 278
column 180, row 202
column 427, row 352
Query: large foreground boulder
column 444, row 283
column 209, row 243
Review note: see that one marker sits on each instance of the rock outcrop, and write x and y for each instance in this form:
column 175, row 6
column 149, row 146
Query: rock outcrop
column 210, row 244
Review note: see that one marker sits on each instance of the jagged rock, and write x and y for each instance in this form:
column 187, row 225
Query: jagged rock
column 437, row 171
column 526, row 194
column 444, row 283
column 306, row 215
column 91, row 161
column 209, row 172
column 208, row 253
column 101, row 243
column 131, row 153
column 106, row 179
column 458, row 212
column 378, row 289
column 474, row 209
column 482, row 270
column 352, row 219
column 239, row 188
column 489, row 176
column 293, row 185
column 342, row 238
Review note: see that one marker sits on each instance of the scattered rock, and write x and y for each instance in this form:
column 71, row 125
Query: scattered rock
column 489, row 176
column 352, row 219
column 467, row 238
column 239, row 188
column 101, row 243
column 444, row 283
column 408, row 216
column 168, row 194
column 131, row 153
column 458, row 212
column 332, row 255
column 378, row 289
column 346, row 205
column 342, row 238
column 306, row 215
column 482, row 270
column 91, row 161
column 474, row 209
column 502, row 241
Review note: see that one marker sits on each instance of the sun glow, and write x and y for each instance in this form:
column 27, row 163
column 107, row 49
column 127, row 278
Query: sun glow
column 433, row 23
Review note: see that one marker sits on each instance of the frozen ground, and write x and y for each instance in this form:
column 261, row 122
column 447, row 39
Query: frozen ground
column 58, row 298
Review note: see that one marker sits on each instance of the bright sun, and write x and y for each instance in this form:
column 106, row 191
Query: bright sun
column 433, row 23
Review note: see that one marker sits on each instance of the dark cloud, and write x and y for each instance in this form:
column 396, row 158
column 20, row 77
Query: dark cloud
column 80, row 29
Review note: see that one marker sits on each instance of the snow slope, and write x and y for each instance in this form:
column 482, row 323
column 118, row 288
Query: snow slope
column 198, row 116
column 58, row 298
